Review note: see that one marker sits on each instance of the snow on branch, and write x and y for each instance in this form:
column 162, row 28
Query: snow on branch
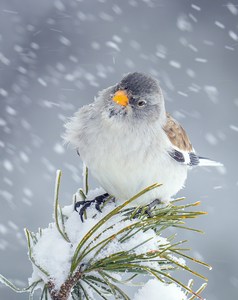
column 96, row 258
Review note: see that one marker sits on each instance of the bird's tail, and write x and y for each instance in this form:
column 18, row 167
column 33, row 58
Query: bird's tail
column 204, row 161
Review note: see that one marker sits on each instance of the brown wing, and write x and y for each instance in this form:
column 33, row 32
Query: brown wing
column 177, row 134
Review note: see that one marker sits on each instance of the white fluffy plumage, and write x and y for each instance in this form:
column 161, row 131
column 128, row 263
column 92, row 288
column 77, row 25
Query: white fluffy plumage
column 126, row 148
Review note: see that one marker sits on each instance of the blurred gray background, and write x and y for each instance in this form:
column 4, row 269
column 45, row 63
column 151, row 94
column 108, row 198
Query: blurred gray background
column 56, row 55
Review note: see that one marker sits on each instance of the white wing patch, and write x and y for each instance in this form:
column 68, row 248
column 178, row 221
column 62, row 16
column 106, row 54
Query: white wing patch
column 184, row 157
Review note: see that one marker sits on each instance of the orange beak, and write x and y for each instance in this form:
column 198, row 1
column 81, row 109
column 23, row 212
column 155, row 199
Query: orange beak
column 121, row 98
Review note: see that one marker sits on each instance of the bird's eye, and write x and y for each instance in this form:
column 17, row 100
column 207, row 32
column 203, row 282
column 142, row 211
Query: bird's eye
column 141, row 103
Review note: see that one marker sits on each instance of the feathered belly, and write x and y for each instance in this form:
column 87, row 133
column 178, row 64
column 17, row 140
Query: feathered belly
column 125, row 176
column 125, row 162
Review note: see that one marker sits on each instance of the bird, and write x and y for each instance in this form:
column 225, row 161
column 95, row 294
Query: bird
column 129, row 142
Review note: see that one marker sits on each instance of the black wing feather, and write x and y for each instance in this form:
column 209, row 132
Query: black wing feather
column 194, row 159
column 179, row 157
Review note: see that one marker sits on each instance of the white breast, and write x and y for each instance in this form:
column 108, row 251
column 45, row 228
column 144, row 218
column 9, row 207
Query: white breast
column 126, row 159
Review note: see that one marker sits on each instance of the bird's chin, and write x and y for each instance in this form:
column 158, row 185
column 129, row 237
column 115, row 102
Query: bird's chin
column 117, row 112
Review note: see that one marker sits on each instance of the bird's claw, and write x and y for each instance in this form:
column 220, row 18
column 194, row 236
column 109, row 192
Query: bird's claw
column 147, row 210
column 150, row 207
column 86, row 203
column 97, row 206
column 82, row 210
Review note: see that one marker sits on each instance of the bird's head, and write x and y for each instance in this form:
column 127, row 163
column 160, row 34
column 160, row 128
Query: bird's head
column 137, row 96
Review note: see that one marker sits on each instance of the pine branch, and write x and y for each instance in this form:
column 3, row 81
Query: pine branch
column 64, row 292
column 121, row 240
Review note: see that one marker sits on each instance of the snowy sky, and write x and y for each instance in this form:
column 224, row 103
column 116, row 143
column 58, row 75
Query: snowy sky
column 56, row 55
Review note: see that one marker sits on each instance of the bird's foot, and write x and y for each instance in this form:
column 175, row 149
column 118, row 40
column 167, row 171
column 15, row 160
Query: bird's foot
column 154, row 203
column 81, row 206
column 151, row 206
column 147, row 210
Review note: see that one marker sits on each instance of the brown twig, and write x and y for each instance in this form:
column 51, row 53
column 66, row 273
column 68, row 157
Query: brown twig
column 64, row 292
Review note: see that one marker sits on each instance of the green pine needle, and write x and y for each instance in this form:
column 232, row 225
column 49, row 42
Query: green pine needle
column 99, row 272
